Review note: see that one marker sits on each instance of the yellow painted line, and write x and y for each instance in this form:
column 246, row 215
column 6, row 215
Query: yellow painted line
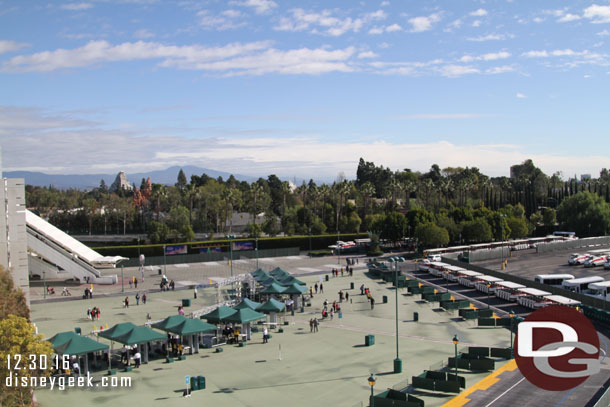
column 484, row 384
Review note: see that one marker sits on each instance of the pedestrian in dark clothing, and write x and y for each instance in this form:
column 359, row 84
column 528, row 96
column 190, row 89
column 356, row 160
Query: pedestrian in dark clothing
column 372, row 303
column 138, row 299
column 311, row 325
column 321, row 288
column 126, row 303
column 315, row 324
column 362, row 289
column 135, row 283
column 316, row 287
column 346, row 296
column 144, row 298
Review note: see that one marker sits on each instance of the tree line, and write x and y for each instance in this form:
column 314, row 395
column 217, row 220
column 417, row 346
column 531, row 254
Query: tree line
column 439, row 207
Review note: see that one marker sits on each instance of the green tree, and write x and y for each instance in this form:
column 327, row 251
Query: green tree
column 158, row 232
column 19, row 338
column 477, row 230
column 181, row 181
column 585, row 213
column 12, row 299
column 431, row 235
column 254, row 230
column 394, row 227
column 518, row 227
column 549, row 217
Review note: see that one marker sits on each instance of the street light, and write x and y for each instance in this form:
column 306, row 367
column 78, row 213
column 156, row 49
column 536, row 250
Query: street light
column 372, row 380
column 502, row 215
column 44, row 283
column 164, row 263
column 512, row 315
column 397, row 361
column 488, row 290
column 231, row 237
column 257, row 252
column 456, row 340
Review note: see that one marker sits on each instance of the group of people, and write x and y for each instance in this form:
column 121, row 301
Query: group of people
column 313, row 325
column 93, row 313
column 231, row 333
column 166, row 284
column 65, row 292
column 321, row 287
column 88, row 293
column 137, row 357
column 348, row 269
column 133, row 281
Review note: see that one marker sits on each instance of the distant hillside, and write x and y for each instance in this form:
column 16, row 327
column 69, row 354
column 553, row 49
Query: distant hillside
column 167, row 177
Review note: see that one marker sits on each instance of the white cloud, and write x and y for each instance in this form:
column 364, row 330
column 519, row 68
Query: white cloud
column 555, row 53
column 255, row 58
column 538, row 20
column 76, row 6
column 476, row 23
column 226, row 20
column 496, row 70
column 478, row 13
column 143, row 34
column 393, row 28
column 259, row 6
column 367, row 54
column 301, row 20
column 376, row 15
column 568, row 17
column 423, row 23
column 603, row 33
column 10, row 46
column 385, row 3
column 454, row 71
column 376, row 30
column 492, row 56
column 520, row 95
column 490, row 37
column 598, row 14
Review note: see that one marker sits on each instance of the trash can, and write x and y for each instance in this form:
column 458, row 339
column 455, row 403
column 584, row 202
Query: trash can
column 397, row 365
column 194, row 383
column 327, row 277
column 416, row 316
column 186, row 302
column 77, row 330
column 160, row 272
column 201, row 382
column 385, row 299
column 369, row 340
column 340, row 314
column 302, row 308
column 351, row 285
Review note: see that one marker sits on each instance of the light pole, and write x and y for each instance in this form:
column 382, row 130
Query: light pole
column 44, row 283
column 231, row 237
column 123, row 280
column 338, row 249
column 502, row 215
column 257, row 252
column 488, row 290
column 456, row 340
column 512, row 315
column 372, row 380
column 397, row 361
column 309, row 230
column 164, row 263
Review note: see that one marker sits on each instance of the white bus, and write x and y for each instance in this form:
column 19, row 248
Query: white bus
column 560, row 300
column 486, row 284
column 532, row 297
column 600, row 290
column 447, row 269
column 567, row 235
column 553, row 279
column 468, row 277
column 455, row 275
column 580, row 285
column 507, row 290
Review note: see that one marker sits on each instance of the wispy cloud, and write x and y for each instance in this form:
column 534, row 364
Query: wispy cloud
column 568, row 17
column 492, row 56
column 76, row 6
column 491, row 37
column 454, row 71
column 478, row 13
column 259, row 6
column 10, row 46
column 520, row 95
column 143, row 34
column 255, row 58
column 326, row 22
column 225, row 20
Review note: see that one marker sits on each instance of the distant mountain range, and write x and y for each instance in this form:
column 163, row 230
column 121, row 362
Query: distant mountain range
column 168, row 176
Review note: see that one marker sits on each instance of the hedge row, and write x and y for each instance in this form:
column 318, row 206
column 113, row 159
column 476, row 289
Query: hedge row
column 318, row 242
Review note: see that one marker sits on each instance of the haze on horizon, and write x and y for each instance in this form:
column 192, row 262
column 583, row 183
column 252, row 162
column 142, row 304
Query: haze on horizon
column 259, row 87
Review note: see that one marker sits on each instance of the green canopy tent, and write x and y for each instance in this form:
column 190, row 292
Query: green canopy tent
column 278, row 273
column 219, row 315
column 274, row 288
column 191, row 328
column 244, row 316
column 138, row 336
column 268, row 281
column 62, row 337
column 272, row 307
column 290, row 280
column 294, row 288
column 113, row 334
column 247, row 303
column 259, row 272
column 80, row 345
column 169, row 322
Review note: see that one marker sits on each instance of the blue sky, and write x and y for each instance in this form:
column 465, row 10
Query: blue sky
column 304, row 88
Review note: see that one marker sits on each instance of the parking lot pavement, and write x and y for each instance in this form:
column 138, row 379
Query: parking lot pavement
column 528, row 263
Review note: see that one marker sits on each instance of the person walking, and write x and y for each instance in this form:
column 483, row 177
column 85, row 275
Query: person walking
column 315, row 324
column 372, row 303
column 316, row 287
column 346, row 297
column 138, row 299
column 195, row 292
column 321, row 288
column 265, row 335
column 126, row 303
column 311, row 325
column 144, row 298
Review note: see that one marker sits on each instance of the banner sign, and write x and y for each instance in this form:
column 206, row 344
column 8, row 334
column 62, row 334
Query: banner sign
column 177, row 249
column 243, row 246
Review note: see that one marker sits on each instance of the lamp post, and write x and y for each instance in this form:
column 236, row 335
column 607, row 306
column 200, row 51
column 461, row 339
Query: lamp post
column 123, row 280
column 44, row 283
column 456, row 340
column 257, row 252
column 372, row 379
column 309, row 230
column 511, row 315
column 488, row 290
column 397, row 361
column 338, row 249
column 231, row 237
column 502, row 215
column 164, row 262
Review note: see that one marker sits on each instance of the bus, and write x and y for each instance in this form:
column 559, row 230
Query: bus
column 485, row 284
column 553, row 279
column 560, row 300
column 600, row 290
column 446, row 269
column 567, row 235
column 468, row 277
column 507, row 290
column 455, row 275
column 580, row 285
column 532, row 298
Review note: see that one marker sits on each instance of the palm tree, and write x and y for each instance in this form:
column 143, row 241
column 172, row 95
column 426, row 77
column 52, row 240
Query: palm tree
column 158, row 192
column 367, row 190
column 255, row 190
column 324, row 191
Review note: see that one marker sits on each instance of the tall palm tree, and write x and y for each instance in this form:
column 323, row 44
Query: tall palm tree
column 255, row 189
column 367, row 190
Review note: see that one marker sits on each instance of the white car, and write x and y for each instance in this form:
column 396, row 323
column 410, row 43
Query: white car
column 596, row 261
column 434, row 257
column 576, row 259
